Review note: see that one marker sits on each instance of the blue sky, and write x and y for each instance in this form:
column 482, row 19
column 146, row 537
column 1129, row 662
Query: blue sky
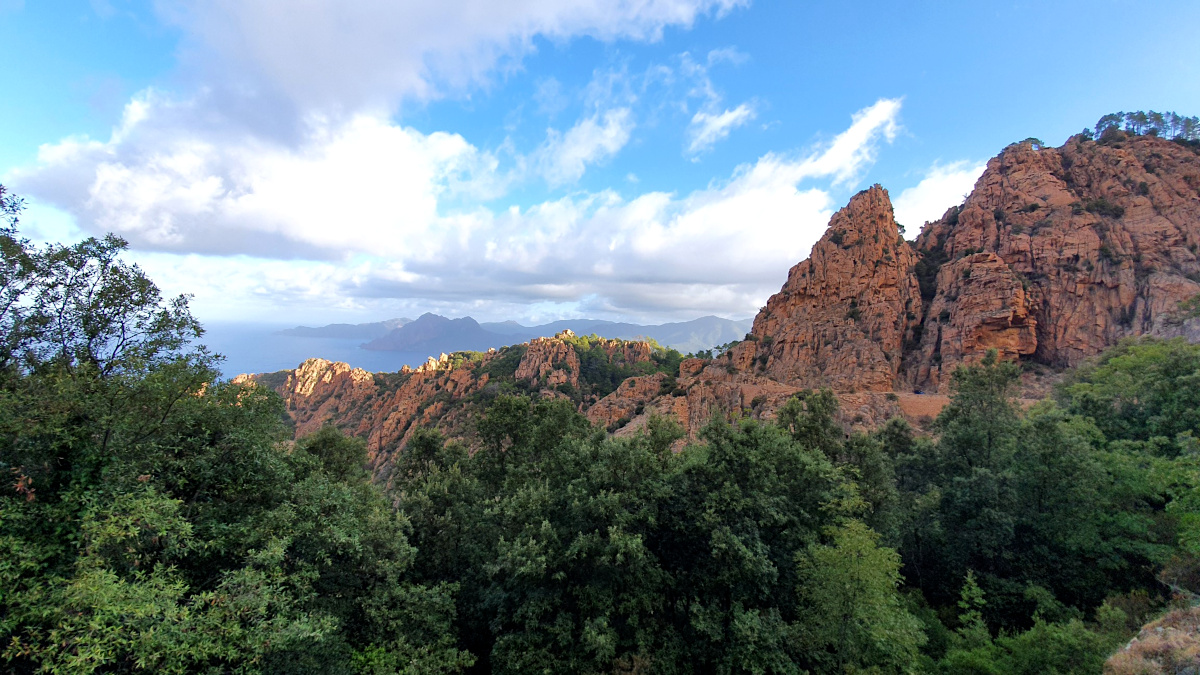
column 641, row 159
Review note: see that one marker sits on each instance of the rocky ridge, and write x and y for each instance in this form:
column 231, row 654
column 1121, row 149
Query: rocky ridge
column 446, row 391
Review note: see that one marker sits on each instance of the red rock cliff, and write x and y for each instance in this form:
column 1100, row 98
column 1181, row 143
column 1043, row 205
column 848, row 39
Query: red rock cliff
column 845, row 313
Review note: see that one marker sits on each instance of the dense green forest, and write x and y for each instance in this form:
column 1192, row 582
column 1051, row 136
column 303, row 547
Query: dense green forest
column 156, row 519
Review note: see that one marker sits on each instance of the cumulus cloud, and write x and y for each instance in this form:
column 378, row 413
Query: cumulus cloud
column 706, row 129
column 942, row 187
column 169, row 180
column 365, row 211
column 329, row 55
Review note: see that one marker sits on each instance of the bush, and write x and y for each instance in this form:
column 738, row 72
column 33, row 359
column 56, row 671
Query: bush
column 1103, row 207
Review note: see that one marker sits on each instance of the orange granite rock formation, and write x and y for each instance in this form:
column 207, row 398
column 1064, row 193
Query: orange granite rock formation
column 1102, row 236
column 843, row 316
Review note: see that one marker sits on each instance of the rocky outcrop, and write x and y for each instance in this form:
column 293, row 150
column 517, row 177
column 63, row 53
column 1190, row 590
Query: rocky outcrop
column 1102, row 238
column 383, row 408
column 448, row 391
column 845, row 314
column 981, row 305
column 628, row 401
column 1057, row 254
column 1170, row 644
column 550, row 362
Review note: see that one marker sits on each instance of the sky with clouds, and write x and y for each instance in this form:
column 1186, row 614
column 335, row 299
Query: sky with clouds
column 650, row 160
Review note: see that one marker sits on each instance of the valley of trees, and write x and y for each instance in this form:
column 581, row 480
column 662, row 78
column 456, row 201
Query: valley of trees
column 156, row 519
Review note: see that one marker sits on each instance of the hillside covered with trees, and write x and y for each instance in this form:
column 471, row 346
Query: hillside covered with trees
column 156, row 519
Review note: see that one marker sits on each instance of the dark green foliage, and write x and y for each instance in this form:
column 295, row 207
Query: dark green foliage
column 1103, row 207
column 1034, row 504
column 836, row 237
column 927, row 269
column 504, row 366
column 459, row 359
column 157, row 522
column 342, row 457
column 577, row 553
column 1145, row 392
column 1164, row 124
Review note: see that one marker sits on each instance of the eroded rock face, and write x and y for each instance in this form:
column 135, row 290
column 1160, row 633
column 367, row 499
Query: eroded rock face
column 1103, row 238
column 628, row 401
column 384, row 409
column 550, row 361
column 981, row 305
column 845, row 313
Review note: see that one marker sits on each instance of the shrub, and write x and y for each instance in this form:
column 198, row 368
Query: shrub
column 1103, row 207
column 927, row 268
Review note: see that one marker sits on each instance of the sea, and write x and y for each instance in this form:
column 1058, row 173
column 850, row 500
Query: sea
column 257, row 348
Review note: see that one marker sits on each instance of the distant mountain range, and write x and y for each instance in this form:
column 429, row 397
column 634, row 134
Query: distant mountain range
column 433, row 334
column 347, row 331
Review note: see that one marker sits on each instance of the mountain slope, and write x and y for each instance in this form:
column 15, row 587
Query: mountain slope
column 347, row 331
column 433, row 333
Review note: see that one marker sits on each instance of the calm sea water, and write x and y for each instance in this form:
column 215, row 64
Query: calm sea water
column 254, row 348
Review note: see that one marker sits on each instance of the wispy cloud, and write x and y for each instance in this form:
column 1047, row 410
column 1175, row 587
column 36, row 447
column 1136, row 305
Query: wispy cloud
column 712, row 122
column 707, row 129
column 338, row 56
column 564, row 157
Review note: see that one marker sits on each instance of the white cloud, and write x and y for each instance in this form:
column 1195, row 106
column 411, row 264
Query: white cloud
column 707, row 129
column 564, row 157
column 710, row 124
column 942, row 187
column 167, row 180
column 727, row 55
column 338, row 56
column 851, row 150
column 365, row 212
